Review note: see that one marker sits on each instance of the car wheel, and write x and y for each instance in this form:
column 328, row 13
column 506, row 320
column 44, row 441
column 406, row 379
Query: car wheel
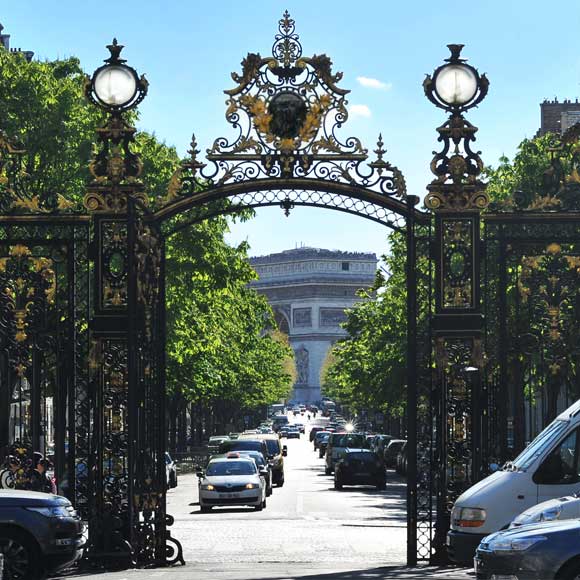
column 205, row 509
column 570, row 571
column 320, row 453
column 337, row 484
column 259, row 508
column 281, row 481
column 264, row 503
column 173, row 481
column 268, row 491
column 381, row 485
column 21, row 558
column 327, row 471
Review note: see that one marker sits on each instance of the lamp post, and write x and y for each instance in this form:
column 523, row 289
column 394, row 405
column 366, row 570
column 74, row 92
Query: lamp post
column 116, row 88
column 456, row 196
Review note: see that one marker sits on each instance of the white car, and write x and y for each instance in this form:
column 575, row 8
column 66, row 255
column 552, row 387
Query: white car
column 562, row 508
column 232, row 480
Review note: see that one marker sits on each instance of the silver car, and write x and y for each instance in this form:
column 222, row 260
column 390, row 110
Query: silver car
column 232, row 480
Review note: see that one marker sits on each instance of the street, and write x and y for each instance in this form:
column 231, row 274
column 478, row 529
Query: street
column 308, row 528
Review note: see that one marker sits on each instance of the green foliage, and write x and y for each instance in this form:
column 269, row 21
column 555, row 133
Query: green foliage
column 368, row 369
column 217, row 347
column 42, row 105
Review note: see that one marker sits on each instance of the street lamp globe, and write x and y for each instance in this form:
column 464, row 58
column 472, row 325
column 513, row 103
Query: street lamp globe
column 456, row 84
column 115, row 85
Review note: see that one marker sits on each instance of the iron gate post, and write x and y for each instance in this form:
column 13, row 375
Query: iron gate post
column 456, row 196
column 411, row 272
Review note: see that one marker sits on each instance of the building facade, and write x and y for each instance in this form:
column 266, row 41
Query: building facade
column 558, row 116
column 309, row 290
column 5, row 42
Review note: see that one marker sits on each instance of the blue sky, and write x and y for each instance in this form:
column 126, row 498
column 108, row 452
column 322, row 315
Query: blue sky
column 528, row 48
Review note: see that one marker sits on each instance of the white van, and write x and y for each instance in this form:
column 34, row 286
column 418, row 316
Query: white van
column 547, row 468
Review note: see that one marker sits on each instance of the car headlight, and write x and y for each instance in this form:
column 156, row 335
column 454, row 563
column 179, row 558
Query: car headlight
column 61, row 511
column 519, row 545
column 207, row 487
column 468, row 517
column 251, row 485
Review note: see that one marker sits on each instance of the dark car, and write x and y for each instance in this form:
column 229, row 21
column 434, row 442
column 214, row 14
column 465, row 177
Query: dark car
column 392, row 450
column 323, row 444
column 244, row 445
column 533, row 552
column 39, row 533
column 359, row 467
column 320, row 435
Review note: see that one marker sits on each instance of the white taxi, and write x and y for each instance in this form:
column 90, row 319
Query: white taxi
column 232, row 480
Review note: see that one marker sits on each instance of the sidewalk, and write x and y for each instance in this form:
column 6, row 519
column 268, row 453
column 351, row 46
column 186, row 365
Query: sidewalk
column 278, row 572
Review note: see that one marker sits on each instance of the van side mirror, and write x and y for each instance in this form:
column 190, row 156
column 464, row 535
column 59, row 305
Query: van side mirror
column 199, row 474
column 285, row 450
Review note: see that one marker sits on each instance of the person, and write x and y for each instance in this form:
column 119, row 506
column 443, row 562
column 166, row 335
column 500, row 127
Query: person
column 9, row 474
column 39, row 480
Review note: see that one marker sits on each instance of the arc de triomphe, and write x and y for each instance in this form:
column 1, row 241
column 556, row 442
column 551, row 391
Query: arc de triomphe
column 309, row 290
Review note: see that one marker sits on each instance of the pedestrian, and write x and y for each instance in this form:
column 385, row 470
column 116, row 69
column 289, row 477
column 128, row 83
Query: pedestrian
column 9, row 474
column 39, row 480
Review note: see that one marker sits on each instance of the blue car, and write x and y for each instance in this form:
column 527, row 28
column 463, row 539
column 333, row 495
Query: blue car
column 545, row 551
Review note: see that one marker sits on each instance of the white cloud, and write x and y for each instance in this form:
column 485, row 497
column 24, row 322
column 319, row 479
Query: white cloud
column 371, row 83
column 359, row 111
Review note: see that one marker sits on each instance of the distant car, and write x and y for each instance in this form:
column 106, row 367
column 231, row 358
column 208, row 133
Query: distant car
column 292, row 433
column 232, row 480
column 337, row 443
column 170, row 471
column 40, row 533
column 314, row 431
column 402, row 460
column 276, row 454
column 534, row 552
column 322, row 444
column 359, row 467
column 245, row 443
column 380, row 443
column 319, row 437
column 301, row 427
column 283, row 432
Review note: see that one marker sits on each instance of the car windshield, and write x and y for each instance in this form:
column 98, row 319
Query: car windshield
column 231, row 468
column 241, row 444
column 273, row 446
column 539, row 445
column 350, row 440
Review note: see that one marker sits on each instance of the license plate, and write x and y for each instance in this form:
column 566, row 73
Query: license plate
column 230, row 495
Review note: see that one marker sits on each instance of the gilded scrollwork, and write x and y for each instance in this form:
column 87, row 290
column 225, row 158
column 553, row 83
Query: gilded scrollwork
column 286, row 110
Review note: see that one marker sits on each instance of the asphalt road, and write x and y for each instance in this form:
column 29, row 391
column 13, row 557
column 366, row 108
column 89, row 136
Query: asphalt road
column 307, row 529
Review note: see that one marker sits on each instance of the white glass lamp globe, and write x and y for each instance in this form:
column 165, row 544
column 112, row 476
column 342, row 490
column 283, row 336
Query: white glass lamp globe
column 115, row 85
column 456, row 84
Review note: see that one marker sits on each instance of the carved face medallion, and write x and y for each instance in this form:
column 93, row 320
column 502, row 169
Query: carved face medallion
column 288, row 112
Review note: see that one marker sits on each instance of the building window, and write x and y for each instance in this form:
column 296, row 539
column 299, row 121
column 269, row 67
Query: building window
column 302, row 317
column 332, row 317
column 345, row 266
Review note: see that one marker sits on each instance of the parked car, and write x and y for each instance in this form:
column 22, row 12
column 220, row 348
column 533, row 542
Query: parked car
column 276, row 454
column 562, row 508
column 379, row 444
column 535, row 552
column 545, row 469
column 170, row 471
column 391, row 452
column 402, row 460
column 39, row 533
column 360, row 467
column 232, row 480
column 320, row 435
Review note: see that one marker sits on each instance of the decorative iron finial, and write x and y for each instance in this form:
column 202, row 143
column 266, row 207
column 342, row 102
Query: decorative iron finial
column 115, row 50
column 193, row 151
column 380, row 151
column 287, row 48
column 455, row 50
column 287, row 205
